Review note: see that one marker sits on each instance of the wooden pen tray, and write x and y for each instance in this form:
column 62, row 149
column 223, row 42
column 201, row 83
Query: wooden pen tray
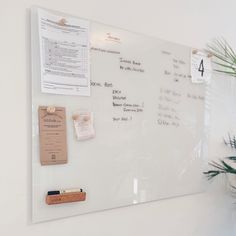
column 65, row 198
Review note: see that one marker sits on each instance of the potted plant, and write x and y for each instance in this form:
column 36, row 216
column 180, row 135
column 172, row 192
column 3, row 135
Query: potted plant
column 225, row 166
column 225, row 62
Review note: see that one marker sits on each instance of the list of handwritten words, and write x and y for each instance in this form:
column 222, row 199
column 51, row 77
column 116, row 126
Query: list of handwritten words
column 177, row 69
column 131, row 65
column 168, row 106
column 121, row 103
column 170, row 101
column 167, row 114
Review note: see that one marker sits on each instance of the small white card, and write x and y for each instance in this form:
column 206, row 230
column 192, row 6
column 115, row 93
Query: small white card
column 200, row 67
column 83, row 124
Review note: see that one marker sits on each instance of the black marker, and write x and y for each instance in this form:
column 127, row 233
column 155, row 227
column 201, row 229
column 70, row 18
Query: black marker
column 53, row 192
column 65, row 191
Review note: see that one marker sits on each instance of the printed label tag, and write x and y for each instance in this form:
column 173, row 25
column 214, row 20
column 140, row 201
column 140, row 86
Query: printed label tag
column 52, row 135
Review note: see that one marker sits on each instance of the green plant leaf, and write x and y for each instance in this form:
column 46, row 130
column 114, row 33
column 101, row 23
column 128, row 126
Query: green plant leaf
column 232, row 158
column 226, row 57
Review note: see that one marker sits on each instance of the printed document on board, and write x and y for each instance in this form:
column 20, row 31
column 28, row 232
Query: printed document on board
column 64, row 54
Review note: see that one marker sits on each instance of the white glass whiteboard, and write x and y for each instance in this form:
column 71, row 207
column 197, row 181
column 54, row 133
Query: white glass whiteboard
column 149, row 122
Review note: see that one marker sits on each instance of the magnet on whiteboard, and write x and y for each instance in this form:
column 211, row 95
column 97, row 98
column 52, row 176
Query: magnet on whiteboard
column 75, row 117
column 195, row 51
column 51, row 109
column 62, row 22
column 209, row 55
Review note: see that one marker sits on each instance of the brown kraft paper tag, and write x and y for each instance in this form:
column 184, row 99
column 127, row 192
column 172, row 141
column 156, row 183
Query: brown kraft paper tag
column 52, row 135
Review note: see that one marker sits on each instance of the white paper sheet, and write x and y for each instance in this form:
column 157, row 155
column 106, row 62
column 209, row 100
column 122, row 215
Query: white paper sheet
column 200, row 67
column 64, row 54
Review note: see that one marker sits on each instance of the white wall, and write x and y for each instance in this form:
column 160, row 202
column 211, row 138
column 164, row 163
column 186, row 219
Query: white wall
column 188, row 22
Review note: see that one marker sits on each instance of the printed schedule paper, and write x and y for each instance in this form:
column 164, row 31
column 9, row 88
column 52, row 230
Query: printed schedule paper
column 64, row 54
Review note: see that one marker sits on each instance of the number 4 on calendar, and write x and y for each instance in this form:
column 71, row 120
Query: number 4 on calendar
column 200, row 67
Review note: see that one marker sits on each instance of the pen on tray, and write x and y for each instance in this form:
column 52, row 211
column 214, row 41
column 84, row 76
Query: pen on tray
column 75, row 190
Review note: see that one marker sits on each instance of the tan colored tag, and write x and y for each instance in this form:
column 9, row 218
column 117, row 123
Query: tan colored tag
column 52, row 135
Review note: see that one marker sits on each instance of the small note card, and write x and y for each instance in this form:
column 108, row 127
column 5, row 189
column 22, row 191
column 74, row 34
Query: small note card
column 52, row 135
column 200, row 67
column 83, row 124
